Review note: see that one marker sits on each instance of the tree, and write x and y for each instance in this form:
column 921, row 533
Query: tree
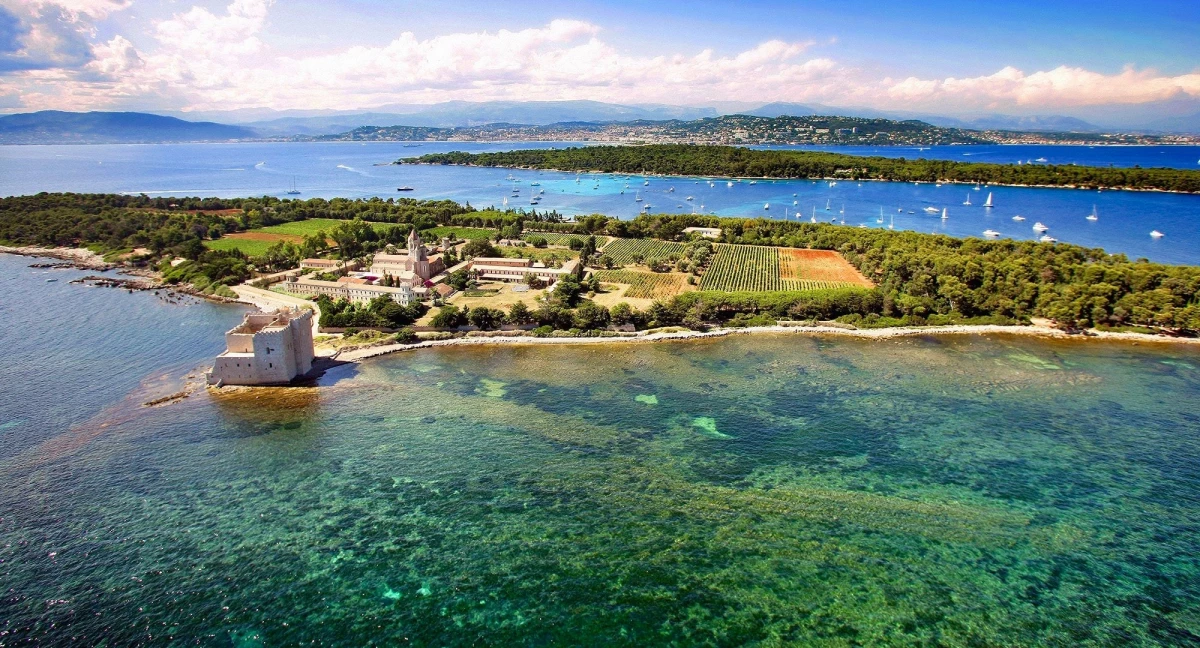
column 485, row 318
column 519, row 314
column 591, row 315
column 406, row 336
column 621, row 314
column 567, row 289
column 458, row 279
column 448, row 317
column 479, row 248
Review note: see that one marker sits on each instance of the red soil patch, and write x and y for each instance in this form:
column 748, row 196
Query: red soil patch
column 818, row 265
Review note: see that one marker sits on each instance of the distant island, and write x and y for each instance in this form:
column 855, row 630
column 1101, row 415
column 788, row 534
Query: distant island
column 748, row 130
column 732, row 161
column 57, row 127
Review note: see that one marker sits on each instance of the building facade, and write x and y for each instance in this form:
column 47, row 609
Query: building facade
column 266, row 349
column 505, row 269
column 355, row 291
column 415, row 264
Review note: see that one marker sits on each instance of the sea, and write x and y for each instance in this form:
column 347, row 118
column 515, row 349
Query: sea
column 360, row 169
column 757, row 489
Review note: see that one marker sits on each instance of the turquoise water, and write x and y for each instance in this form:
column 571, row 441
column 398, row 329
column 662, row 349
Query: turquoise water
column 748, row 490
column 347, row 169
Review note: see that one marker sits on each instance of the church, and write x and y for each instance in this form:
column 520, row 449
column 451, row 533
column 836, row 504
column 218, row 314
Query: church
column 414, row 268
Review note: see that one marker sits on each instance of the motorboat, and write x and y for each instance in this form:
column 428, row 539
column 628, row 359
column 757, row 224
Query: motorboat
column 1038, row 227
column 991, row 233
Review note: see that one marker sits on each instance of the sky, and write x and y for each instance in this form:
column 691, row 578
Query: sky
column 1094, row 59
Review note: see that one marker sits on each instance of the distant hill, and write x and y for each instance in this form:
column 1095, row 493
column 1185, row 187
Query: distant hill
column 781, row 109
column 57, row 127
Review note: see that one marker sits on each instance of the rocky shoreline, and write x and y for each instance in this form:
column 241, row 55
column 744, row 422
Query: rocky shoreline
column 81, row 258
column 358, row 355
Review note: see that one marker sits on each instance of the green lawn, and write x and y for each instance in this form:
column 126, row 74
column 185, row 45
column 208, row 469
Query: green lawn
column 312, row 226
column 469, row 233
column 247, row 246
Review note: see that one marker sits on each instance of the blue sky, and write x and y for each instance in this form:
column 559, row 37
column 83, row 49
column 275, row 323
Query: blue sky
column 950, row 57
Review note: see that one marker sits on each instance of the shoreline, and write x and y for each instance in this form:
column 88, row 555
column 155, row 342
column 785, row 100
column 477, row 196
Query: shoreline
column 1045, row 332
column 801, row 179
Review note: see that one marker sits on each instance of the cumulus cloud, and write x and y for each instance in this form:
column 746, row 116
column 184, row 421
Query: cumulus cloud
column 47, row 34
column 203, row 59
column 1062, row 87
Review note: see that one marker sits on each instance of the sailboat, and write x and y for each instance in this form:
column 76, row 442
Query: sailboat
column 880, row 219
column 293, row 191
column 989, row 204
column 826, row 204
column 968, row 202
column 944, row 216
column 843, row 212
column 814, row 218
column 892, row 225
column 506, row 201
column 637, row 196
column 977, row 187
column 1093, row 216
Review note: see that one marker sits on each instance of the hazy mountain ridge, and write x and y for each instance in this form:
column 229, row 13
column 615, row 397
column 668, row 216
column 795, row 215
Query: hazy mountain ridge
column 58, row 127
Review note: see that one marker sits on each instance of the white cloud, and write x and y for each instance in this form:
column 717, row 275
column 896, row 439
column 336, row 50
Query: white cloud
column 201, row 59
column 1062, row 87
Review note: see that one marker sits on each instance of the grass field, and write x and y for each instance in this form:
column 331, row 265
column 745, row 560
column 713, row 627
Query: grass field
column 545, row 255
column 554, row 238
column 469, row 233
column 256, row 241
column 646, row 285
column 623, row 251
column 752, row 268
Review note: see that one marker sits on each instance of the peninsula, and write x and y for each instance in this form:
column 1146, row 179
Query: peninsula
column 732, row 161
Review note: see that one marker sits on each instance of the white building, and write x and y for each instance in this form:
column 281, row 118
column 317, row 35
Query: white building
column 266, row 349
column 355, row 290
column 505, row 269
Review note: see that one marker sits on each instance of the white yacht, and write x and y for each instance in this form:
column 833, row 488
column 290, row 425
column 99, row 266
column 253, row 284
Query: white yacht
column 1019, row 218
column 637, row 196
column 1093, row 216
column 766, row 205
column 1046, row 238
column 814, row 216
column 931, row 210
column 1156, row 234
column 989, row 201
column 968, row 202
column 689, row 198
column 827, row 204
column 1038, row 227
column 880, row 219
column 944, row 216
column 991, row 233
column 729, row 184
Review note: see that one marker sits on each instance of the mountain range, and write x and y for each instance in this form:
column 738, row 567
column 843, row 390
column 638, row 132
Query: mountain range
column 58, row 127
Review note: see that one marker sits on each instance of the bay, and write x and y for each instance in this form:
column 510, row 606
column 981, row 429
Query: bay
column 954, row 490
column 350, row 170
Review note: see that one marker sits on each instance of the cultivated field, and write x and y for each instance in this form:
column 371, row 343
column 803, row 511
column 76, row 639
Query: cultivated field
column 818, row 265
column 752, row 268
column 646, row 285
column 623, row 251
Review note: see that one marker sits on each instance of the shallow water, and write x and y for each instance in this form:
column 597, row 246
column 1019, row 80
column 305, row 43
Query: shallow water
column 347, row 169
column 774, row 489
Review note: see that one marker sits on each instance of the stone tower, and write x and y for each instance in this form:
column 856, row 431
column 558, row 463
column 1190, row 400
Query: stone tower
column 417, row 257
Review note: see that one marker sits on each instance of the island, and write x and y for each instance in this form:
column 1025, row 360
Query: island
column 427, row 271
column 734, row 162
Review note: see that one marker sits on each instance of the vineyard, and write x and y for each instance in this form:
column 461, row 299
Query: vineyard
column 556, row 238
column 738, row 268
column 624, row 251
column 645, row 285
